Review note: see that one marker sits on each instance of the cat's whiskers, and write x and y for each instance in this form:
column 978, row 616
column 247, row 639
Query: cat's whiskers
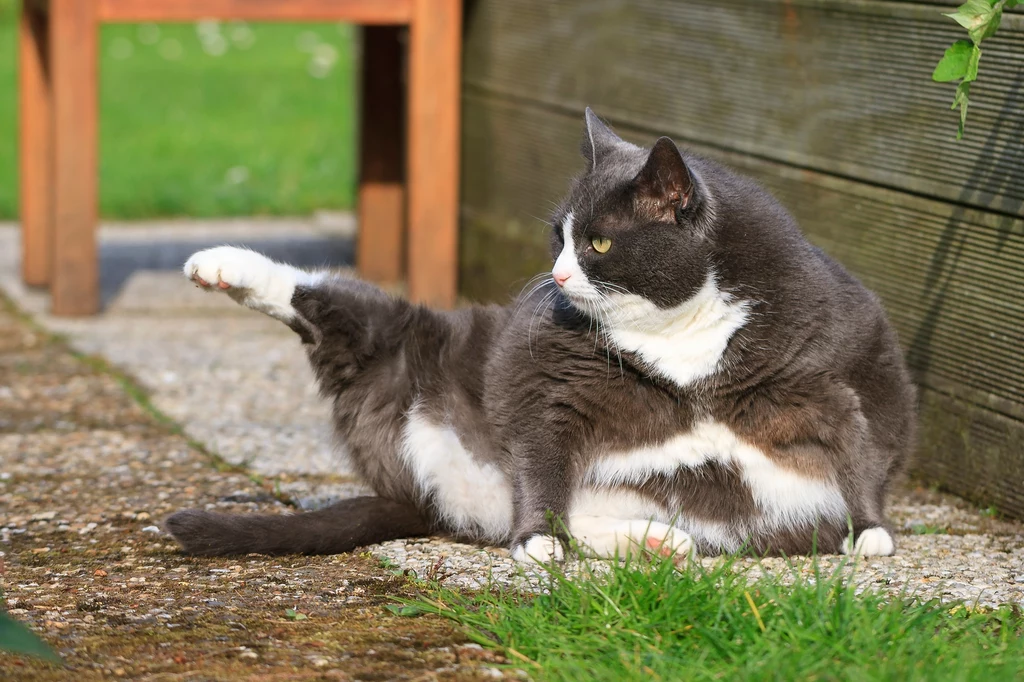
column 543, row 303
column 537, row 282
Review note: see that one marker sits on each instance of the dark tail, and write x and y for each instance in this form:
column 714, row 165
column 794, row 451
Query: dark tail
column 339, row 528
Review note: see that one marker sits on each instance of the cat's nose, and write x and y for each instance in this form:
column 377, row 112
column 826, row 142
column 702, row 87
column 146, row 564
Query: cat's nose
column 560, row 278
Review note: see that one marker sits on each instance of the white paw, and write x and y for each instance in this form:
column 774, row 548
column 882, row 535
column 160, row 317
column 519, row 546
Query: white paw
column 872, row 542
column 227, row 267
column 541, row 549
column 250, row 278
column 666, row 540
column 607, row 538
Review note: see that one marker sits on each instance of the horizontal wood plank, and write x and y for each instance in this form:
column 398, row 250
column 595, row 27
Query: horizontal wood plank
column 367, row 12
column 840, row 86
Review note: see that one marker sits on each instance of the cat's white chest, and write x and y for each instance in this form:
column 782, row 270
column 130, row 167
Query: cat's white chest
column 685, row 343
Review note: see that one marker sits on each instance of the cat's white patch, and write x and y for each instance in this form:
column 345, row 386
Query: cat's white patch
column 610, row 537
column 872, row 542
column 541, row 549
column 470, row 495
column 784, row 497
column 684, row 343
column 618, row 503
column 251, row 278
column 567, row 268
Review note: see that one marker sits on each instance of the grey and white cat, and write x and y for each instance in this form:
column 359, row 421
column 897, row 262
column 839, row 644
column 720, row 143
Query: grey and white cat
column 693, row 375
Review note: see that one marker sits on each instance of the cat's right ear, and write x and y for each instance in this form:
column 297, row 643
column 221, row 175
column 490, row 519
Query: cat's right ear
column 599, row 140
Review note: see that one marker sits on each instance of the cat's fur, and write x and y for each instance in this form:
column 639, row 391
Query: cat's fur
column 711, row 382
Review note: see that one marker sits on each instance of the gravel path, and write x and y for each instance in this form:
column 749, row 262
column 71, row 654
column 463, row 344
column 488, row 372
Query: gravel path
column 239, row 384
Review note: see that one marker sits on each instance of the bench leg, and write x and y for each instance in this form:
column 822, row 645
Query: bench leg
column 74, row 285
column 35, row 138
column 435, row 44
column 380, row 246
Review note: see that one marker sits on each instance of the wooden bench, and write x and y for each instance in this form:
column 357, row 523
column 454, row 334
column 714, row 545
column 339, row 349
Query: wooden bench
column 409, row 135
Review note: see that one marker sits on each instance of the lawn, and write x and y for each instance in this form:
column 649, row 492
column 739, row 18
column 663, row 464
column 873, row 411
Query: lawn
column 655, row 622
column 211, row 119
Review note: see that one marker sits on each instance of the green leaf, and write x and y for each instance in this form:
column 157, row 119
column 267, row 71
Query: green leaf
column 972, row 64
column 18, row 639
column 961, row 100
column 979, row 17
column 953, row 64
column 404, row 610
column 1010, row 4
column 292, row 614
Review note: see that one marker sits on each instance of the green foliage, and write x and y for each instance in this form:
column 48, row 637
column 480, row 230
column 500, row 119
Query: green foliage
column 210, row 119
column 981, row 18
column 642, row 621
column 15, row 638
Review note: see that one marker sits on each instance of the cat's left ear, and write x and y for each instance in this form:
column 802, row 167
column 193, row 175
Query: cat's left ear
column 664, row 187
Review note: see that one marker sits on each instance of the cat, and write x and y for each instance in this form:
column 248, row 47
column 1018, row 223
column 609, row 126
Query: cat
column 692, row 376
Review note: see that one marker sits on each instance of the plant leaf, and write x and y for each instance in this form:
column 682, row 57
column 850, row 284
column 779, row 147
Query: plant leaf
column 292, row 614
column 961, row 100
column 18, row 639
column 954, row 63
column 1010, row 4
column 979, row 17
column 405, row 610
column 972, row 64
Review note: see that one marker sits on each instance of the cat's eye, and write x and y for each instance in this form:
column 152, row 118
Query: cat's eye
column 601, row 244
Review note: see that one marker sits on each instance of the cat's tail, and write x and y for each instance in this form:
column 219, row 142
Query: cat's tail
column 338, row 528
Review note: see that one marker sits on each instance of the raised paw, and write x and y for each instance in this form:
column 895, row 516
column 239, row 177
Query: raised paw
column 227, row 267
column 540, row 549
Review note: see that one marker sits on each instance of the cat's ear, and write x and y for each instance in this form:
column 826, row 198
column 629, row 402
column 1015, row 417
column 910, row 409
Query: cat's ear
column 598, row 141
column 664, row 186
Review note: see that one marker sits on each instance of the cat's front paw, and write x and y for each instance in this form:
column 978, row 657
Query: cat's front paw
column 871, row 542
column 540, row 549
column 227, row 267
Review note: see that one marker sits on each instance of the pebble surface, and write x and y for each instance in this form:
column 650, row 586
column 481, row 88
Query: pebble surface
column 239, row 384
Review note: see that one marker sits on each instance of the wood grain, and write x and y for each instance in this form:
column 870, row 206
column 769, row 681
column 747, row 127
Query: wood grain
column 354, row 11
column 837, row 86
column 380, row 253
column 75, row 278
column 35, row 139
column 435, row 48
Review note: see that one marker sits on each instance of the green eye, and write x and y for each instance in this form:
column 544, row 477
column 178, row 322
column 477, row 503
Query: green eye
column 601, row 244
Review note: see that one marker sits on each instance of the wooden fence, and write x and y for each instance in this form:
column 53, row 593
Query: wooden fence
column 829, row 104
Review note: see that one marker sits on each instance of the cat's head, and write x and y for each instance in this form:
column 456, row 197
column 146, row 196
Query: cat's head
column 635, row 226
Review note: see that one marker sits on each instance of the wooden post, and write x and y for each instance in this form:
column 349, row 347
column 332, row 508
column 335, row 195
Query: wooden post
column 435, row 46
column 35, row 141
column 74, row 285
column 380, row 246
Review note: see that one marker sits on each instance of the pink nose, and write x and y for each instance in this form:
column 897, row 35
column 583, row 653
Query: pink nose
column 560, row 278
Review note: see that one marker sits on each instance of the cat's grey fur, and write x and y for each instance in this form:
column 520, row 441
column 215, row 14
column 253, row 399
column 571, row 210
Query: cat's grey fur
column 814, row 377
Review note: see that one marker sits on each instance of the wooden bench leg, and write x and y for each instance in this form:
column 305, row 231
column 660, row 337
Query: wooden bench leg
column 380, row 247
column 75, row 272
column 435, row 44
column 35, row 137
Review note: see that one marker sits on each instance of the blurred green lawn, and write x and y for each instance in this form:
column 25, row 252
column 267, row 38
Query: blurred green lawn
column 211, row 119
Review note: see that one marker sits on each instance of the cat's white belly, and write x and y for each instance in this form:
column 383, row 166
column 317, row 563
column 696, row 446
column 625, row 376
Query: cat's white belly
column 785, row 498
column 475, row 497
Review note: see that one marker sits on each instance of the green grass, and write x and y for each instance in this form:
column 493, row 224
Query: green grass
column 185, row 132
column 655, row 622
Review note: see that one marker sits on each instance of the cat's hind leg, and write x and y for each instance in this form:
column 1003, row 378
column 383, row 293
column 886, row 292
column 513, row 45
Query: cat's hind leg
column 251, row 279
column 607, row 537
